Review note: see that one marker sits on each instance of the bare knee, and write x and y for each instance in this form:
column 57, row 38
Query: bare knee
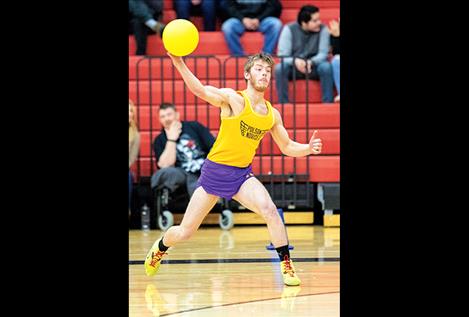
column 269, row 212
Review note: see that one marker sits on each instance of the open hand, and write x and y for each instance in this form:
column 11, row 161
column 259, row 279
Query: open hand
column 334, row 28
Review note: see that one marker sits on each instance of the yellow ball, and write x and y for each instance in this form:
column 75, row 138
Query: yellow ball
column 180, row 37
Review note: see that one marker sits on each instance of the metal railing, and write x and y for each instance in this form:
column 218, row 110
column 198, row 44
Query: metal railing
column 288, row 190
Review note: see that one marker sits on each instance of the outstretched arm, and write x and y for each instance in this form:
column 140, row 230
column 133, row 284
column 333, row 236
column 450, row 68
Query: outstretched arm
column 290, row 147
column 215, row 96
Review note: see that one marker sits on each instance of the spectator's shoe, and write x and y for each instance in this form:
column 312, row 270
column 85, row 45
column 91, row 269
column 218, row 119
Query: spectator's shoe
column 158, row 28
column 288, row 272
column 337, row 98
column 153, row 260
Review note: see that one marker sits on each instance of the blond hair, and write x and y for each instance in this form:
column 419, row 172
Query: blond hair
column 133, row 129
column 262, row 56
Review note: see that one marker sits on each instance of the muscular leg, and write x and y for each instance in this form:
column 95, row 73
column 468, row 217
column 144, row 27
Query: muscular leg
column 255, row 197
column 199, row 206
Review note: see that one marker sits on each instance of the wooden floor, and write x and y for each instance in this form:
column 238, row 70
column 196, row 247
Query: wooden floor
column 230, row 273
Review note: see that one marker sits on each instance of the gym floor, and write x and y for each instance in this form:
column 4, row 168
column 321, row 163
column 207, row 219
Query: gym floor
column 231, row 273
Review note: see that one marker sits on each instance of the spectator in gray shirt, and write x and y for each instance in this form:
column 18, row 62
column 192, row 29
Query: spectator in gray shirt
column 304, row 45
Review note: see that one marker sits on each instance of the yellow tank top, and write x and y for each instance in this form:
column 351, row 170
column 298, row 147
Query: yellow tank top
column 239, row 136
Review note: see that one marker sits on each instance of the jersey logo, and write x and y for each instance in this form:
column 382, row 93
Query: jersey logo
column 251, row 132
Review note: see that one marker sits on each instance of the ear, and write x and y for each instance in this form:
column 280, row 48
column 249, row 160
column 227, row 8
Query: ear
column 177, row 116
column 247, row 75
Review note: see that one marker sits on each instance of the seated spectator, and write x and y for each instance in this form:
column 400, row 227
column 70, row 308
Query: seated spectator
column 304, row 44
column 251, row 15
column 180, row 149
column 134, row 144
column 206, row 8
column 144, row 16
column 334, row 29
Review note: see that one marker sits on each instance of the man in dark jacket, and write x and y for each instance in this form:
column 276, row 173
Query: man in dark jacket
column 206, row 8
column 144, row 16
column 251, row 15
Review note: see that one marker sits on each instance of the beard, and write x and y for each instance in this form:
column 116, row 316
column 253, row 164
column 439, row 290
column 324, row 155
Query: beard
column 256, row 86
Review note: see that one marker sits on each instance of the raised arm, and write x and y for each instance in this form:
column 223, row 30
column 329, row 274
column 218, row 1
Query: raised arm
column 219, row 97
column 290, row 147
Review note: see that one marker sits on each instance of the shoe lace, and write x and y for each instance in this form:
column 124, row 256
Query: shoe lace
column 155, row 257
column 287, row 265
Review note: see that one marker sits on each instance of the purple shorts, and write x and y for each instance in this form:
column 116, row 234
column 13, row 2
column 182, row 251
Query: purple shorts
column 223, row 180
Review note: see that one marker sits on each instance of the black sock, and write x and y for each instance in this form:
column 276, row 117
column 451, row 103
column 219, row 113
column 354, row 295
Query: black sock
column 282, row 251
column 161, row 246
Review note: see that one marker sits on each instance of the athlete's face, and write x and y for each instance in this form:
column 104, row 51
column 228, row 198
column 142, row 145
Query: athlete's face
column 259, row 75
column 168, row 116
column 313, row 25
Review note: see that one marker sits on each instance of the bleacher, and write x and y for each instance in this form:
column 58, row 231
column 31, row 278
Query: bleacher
column 154, row 80
column 214, row 43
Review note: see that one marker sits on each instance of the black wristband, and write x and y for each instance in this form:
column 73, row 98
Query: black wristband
column 175, row 141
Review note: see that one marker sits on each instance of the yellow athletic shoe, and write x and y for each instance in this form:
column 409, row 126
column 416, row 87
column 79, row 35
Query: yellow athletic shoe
column 153, row 260
column 288, row 272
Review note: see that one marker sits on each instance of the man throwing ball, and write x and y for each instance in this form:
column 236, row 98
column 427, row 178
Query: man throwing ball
column 227, row 172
